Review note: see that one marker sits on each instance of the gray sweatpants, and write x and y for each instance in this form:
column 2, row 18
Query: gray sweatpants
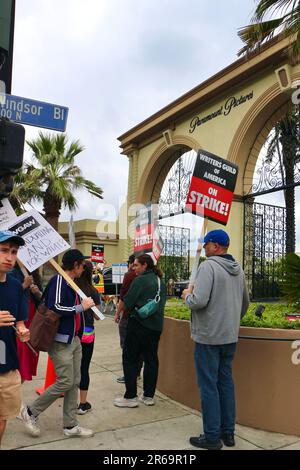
column 66, row 359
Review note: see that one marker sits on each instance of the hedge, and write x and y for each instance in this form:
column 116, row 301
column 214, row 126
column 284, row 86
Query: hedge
column 272, row 317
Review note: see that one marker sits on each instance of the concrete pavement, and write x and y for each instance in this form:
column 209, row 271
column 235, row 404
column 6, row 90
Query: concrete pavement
column 165, row 426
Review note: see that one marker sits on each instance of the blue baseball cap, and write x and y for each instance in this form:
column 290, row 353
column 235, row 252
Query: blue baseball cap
column 7, row 235
column 217, row 236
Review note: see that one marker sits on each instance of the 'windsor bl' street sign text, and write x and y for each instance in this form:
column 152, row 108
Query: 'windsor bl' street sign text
column 33, row 113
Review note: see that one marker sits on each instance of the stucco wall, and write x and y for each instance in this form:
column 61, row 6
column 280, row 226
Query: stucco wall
column 266, row 380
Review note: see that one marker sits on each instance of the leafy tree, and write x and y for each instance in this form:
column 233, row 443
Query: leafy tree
column 174, row 267
column 272, row 17
column 52, row 178
column 291, row 283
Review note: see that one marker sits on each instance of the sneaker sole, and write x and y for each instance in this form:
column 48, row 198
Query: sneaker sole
column 78, row 435
column 133, row 405
column 147, row 404
column 83, row 412
column 37, row 434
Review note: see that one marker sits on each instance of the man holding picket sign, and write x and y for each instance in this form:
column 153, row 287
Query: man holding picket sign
column 65, row 352
column 218, row 298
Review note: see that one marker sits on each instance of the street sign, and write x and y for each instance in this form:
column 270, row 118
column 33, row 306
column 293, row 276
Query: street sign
column 34, row 113
column 118, row 272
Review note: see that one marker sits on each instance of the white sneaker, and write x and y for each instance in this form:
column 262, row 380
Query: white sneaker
column 147, row 400
column 78, row 431
column 30, row 422
column 21, row 409
column 126, row 402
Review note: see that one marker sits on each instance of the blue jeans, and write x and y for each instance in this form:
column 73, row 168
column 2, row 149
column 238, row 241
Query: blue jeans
column 214, row 372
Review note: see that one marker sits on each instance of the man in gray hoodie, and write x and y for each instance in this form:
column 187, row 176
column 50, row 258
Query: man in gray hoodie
column 218, row 301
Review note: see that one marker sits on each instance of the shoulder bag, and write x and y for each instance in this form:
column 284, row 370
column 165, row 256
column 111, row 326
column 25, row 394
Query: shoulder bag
column 43, row 327
column 151, row 306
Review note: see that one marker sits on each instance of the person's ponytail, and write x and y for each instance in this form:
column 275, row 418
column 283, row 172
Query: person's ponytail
column 146, row 259
column 157, row 271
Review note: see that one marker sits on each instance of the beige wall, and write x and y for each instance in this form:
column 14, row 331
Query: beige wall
column 86, row 235
column 266, row 379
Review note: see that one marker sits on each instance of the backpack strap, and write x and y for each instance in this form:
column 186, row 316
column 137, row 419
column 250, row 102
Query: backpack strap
column 157, row 297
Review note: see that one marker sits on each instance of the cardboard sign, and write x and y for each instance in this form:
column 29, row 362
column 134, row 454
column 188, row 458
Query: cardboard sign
column 118, row 272
column 42, row 242
column 97, row 255
column 147, row 239
column 212, row 187
column 6, row 213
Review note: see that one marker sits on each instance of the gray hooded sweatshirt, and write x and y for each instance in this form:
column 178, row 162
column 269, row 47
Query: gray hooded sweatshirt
column 218, row 302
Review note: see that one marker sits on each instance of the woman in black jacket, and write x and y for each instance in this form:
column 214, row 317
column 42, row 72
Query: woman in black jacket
column 143, row 335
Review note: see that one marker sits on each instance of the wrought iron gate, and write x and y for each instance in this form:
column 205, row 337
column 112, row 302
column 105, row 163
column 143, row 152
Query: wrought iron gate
column 264, row 249
column 175, row 259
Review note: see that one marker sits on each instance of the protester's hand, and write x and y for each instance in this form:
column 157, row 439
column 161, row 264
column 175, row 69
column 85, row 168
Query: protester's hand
column 185, row 292
column 117, row 317
column 6, row 319
column 28, row 280
column 35, row 291
column 23, row 334
column 87, row 303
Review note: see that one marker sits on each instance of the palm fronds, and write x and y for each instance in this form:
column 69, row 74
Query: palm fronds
column 261, row 30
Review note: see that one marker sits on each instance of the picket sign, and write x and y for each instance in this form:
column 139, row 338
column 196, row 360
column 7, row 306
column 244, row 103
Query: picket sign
column 75, row 287
column 42, row 244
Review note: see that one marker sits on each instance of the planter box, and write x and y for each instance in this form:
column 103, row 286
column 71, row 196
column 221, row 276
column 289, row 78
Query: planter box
column 266, row 380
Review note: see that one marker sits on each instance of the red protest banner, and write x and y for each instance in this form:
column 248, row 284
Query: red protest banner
column 97, row 255
column 212, row 187
column 147, row 239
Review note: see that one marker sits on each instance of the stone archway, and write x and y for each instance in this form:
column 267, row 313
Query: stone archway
column 230, row 115
column 159, row 165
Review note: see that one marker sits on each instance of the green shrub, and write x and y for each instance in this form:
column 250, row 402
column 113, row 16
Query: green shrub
column 272, row 317
column 291, row 281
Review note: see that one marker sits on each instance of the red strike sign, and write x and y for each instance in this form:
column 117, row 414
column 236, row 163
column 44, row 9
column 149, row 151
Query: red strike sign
column 212, row 187
column 97, row 255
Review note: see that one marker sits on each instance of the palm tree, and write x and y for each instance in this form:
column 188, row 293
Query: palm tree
column 285, row 145
column 287, row 21
column 52, row 177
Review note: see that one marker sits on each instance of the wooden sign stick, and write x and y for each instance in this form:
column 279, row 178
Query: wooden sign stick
column 74, row 287
column 197, row 257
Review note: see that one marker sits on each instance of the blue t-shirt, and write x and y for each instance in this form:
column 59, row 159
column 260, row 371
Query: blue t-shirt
column 11, row 299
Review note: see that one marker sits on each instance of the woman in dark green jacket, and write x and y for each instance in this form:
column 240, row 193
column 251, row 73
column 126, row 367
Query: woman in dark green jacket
column 142, row 336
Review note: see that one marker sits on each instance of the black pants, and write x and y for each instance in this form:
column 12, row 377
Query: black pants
column 87, row 352
column 140, row 341
column 123, row 324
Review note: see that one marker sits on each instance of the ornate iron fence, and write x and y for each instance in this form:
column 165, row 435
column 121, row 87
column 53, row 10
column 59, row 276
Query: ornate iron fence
column 264, row 249
column 175, row 259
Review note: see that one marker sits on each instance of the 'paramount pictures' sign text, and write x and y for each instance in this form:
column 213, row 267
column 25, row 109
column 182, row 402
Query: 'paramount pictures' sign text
column 224, row 110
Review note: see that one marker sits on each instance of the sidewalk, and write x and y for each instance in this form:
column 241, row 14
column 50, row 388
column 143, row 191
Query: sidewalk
column 165, row 426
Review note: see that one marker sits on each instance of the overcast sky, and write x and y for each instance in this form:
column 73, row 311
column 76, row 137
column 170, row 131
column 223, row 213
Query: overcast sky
column 116, row 62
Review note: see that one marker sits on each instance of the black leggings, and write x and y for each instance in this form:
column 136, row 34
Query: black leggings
column 87, row 352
